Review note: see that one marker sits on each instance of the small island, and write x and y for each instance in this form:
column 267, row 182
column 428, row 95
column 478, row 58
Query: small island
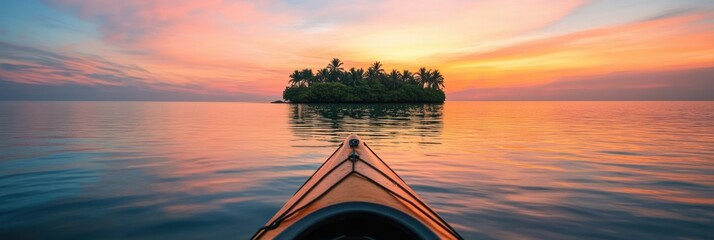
column 334, row 84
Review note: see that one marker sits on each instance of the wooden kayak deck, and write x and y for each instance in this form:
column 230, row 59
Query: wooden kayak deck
column 354, row 173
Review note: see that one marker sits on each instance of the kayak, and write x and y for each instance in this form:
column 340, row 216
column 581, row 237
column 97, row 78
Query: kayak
column 355, row 195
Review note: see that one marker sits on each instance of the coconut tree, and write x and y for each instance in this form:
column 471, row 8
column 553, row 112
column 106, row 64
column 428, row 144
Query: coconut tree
column 408, row 77
column 393, row 81
column 307, row 76
column 322, row 75
column 359, row 75
column 354, row 76
column 424, row 77
column 335, row 65
column 335, row 69
column 296, row 79
column 375, row 71
column 377, row 67
column 437, row 80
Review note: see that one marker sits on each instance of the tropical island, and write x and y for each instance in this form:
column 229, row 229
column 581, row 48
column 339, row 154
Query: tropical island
column 334, row 84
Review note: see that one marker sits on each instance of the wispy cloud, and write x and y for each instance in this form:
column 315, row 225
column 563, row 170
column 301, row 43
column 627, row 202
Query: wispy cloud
column 241, row 47
column 690, row 84
column 675, row 42
column 35, row 66
column 28, row 65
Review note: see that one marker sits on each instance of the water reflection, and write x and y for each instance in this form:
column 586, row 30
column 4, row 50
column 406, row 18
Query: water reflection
column 331, row 122
column 493, row 170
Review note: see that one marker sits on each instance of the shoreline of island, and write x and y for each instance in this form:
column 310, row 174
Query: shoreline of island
column 334, row 84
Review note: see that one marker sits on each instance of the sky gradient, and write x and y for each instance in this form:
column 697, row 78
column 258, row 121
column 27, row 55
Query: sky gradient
column 210, row 50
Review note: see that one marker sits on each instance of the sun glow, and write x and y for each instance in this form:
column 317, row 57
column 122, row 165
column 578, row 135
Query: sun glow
column 250, row 48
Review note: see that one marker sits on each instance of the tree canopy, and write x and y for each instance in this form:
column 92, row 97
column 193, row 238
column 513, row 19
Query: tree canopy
column 334, row 84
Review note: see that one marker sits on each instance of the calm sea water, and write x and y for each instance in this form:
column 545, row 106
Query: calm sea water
column 494, row 170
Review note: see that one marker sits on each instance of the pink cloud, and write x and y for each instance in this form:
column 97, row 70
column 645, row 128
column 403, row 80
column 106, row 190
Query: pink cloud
column 226, row 45
column 687, row 84
column 669, row 43
column 239, row 46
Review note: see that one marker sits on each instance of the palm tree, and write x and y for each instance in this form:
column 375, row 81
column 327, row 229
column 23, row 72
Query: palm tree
column 375, row 71
column 322, row 75
column 373, row 84
column 354, row 76
column 437, row 80
column 335, row 65
column 377, row 67
column 393, row 79
column 408, row 77
column 359, row 75
column 335, row 68
column 307, row 76
column 296, row 79
column 424, row 77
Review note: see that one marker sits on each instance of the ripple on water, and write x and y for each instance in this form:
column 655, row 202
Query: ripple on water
column 494, row 170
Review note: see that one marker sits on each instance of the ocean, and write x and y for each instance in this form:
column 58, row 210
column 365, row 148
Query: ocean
column 493, row 170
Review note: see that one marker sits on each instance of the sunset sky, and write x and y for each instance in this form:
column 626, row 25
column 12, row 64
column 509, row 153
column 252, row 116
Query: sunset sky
column 245, row 50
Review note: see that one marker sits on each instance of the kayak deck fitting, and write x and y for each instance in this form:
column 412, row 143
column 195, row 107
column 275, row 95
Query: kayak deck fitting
column 355, row 195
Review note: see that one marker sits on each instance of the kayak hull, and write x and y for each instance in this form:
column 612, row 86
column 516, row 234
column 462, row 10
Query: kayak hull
column 356, row 189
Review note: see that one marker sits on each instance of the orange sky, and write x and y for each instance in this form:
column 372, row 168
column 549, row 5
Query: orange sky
column 248, row 48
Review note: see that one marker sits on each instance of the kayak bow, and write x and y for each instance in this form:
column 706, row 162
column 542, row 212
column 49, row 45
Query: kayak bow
column 355, row 195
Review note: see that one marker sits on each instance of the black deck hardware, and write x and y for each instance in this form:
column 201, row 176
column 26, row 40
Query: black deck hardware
column 354, row 143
